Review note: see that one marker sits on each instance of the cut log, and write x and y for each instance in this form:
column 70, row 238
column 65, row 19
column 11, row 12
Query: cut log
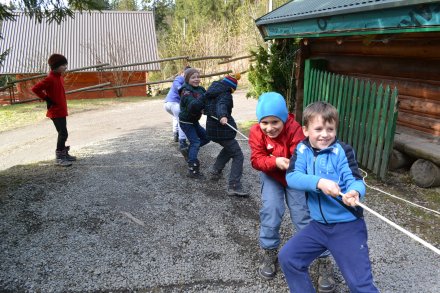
column 425, row 173
column 399, row 160
column 417, row 105
column 424, row 89
column 429, row 123
column 425, row 49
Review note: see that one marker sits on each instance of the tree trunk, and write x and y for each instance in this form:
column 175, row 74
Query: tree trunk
column 425, row 173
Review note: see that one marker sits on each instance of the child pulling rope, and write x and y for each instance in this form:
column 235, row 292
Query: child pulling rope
column 411, row 235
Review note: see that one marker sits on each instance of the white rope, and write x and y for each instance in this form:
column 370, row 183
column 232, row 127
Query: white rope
column 413, row 236
column 236, row 130
column 407, row 201
column 369, row 186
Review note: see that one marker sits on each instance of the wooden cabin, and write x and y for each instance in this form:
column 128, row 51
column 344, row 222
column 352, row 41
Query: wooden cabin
column 88, row 39
column 392, row 42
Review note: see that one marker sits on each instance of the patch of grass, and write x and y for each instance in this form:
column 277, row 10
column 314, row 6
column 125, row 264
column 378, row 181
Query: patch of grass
column 245, row 126
column 14, row 116
column 20, row 115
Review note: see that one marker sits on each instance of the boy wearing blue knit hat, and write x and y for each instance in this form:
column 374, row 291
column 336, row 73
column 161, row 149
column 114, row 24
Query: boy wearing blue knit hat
column 218, row 109
column 273, row 141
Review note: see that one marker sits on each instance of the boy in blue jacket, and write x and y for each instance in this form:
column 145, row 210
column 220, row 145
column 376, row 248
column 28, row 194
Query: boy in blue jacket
column 323, row 167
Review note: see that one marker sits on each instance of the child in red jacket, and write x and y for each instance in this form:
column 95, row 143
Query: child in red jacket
column 273, row 141
column 51, row 90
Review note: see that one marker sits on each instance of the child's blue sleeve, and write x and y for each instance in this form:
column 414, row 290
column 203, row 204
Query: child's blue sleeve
column 176, row 85
column 297, row 176
column 349, row 171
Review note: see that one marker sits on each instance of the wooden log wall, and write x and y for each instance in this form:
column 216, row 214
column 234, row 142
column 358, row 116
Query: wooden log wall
column 409, row 61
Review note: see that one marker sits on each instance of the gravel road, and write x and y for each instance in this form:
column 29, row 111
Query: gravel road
column 124, row 217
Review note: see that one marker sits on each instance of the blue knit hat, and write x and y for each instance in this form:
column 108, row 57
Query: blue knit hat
column 272, row 104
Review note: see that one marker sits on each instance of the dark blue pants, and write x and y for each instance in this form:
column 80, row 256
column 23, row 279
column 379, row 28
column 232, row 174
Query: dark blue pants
column 196, row 135
column 347, row 242
column 231, row 150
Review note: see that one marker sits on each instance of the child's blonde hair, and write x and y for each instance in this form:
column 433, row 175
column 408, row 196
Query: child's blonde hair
column 326, row 110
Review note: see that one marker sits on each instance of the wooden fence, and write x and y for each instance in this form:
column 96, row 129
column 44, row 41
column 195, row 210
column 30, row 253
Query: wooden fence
column 105, row 66
column 367, row 113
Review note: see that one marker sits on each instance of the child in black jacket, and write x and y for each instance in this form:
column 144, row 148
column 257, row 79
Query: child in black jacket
column 218, row 109
column 192, row 97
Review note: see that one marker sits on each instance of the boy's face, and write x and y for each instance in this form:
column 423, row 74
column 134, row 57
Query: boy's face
column 61, row 68
column 194, row 80
column 271, row 126
column 321, row 134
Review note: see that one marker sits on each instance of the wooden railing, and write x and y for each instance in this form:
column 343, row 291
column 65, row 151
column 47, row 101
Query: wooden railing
column 367, row 113
column 105, row 67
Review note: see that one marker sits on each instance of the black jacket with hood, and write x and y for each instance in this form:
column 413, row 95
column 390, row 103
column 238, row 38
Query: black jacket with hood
column 219, row 104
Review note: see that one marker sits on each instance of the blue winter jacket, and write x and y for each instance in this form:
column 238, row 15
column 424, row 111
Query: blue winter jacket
column 337, row 163
column 173, row 94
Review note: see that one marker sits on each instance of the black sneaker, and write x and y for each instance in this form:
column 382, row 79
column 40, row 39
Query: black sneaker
column 237, row 190
column 268, row 269
column 194, row 171
column 183, row 143
column 326, row 282
column 195, row 175
column 215, row 175
column 184, row 152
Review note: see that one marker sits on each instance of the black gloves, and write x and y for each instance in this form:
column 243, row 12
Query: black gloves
column 49, row 102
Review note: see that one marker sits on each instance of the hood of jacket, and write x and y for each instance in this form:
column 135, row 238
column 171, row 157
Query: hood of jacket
column 216, row 88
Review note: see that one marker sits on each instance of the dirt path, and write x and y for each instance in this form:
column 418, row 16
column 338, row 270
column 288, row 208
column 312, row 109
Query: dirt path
column 36, row 142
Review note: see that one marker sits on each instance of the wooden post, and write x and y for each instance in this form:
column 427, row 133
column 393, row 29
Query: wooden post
column 425, row 173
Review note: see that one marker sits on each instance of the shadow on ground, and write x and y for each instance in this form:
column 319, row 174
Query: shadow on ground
column 124, row 217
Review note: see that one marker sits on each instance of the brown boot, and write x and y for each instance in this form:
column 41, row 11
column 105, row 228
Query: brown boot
column 268, row 262
column 68, row 156
column 326, row 281
column 61, row 158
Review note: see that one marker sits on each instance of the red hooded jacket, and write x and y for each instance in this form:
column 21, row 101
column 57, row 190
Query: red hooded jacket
column 265, row 150
column 52, row 87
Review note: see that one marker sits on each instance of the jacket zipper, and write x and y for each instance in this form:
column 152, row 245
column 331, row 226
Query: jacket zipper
column 319, row 197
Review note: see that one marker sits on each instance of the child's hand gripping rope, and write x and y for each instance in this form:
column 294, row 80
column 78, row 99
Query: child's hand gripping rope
column 236, row 130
